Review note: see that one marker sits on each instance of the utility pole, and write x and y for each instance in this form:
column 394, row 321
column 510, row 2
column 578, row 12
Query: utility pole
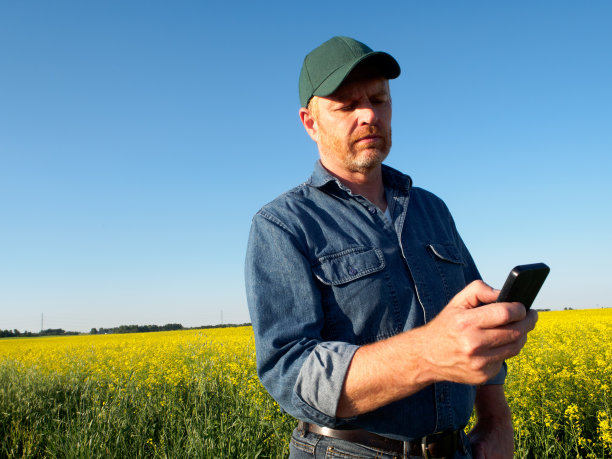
column 221, row 316
column 41, row 322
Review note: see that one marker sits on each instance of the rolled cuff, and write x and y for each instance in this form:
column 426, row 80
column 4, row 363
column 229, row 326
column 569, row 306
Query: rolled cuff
column 319, row 383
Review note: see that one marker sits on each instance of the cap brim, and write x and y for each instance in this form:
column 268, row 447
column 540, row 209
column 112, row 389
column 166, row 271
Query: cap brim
column 381, row 61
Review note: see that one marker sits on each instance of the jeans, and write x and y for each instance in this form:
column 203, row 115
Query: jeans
column 310, row 445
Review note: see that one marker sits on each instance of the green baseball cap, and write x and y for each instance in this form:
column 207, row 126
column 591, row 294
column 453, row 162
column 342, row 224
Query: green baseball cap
column 327, row 66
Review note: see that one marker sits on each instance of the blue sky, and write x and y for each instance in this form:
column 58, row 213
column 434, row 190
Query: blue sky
column 137, row 139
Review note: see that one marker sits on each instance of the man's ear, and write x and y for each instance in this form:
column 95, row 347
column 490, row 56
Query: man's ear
column 309, row 122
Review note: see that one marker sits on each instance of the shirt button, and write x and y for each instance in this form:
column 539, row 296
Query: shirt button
column 352, row 271
column 372, row 210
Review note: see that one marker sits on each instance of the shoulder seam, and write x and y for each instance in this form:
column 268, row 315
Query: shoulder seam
column 274, row 219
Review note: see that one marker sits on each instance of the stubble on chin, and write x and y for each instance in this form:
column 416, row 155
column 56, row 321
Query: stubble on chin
column 366, row 158
column 351, row 155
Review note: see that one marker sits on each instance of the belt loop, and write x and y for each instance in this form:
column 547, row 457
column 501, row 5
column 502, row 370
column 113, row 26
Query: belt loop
column 425, row 448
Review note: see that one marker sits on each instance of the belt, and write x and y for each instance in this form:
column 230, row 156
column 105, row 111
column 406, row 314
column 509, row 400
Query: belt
column 437, row 445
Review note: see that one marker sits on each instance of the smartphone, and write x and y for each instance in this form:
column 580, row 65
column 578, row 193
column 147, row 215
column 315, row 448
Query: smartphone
column 523, row 284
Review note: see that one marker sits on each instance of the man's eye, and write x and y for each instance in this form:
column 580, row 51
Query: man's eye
column 347, row 108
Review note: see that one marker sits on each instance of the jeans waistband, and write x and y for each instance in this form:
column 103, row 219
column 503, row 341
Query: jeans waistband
column 437, row 445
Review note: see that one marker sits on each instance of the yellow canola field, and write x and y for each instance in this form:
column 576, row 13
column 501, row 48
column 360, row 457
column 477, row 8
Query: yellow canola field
column 559, row 386
column 149, row 361
column 191, row 393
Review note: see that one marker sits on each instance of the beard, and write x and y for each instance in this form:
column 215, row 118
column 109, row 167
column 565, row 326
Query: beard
column 355, row 156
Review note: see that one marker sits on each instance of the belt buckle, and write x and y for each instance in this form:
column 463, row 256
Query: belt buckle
column 425, row 443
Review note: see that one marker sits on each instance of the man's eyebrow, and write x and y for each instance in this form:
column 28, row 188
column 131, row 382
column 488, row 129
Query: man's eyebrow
column 382, row 92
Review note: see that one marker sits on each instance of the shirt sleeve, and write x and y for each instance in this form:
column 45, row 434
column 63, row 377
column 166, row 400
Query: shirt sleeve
column 301, row 371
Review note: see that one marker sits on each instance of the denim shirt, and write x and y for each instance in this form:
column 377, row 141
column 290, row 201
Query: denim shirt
column 326, row 272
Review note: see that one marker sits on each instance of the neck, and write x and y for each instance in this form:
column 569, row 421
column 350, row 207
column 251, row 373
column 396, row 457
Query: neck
column 368, row 184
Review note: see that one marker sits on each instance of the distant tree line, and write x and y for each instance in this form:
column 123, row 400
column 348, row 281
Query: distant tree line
column 136, row 329
column 246, row 324
column 120, row 329
column 48, row 332
column 156, row 328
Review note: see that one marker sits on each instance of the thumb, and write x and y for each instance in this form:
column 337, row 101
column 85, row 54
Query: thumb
column 474, row 294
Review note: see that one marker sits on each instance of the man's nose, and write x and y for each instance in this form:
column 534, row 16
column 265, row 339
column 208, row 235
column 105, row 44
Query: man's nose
column 366, row 113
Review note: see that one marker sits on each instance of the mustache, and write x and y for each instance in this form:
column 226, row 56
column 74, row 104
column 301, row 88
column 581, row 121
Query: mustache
column 367, row 131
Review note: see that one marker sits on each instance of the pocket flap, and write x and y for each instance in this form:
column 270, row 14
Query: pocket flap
column 446, row 252
column 348, row 265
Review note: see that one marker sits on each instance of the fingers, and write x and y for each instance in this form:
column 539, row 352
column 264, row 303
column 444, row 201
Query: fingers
column 507, row 341
column 482, row 296
column 498, row 314
column 474, row 295
column 504, row 323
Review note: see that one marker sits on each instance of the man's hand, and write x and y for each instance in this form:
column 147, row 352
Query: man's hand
column 466, row 343
column 472, row 336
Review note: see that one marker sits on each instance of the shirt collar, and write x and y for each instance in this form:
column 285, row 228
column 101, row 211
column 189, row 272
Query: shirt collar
column 391, row 177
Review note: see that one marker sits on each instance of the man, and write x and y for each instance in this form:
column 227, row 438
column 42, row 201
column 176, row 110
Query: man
column 371, row 324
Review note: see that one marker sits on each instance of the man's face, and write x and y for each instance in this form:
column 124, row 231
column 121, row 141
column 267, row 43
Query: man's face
column 353, row 125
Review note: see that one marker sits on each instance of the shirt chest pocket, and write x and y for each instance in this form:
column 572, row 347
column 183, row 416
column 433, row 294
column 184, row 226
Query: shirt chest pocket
column 450, row 265
column 357, row 295
column 348, row 265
